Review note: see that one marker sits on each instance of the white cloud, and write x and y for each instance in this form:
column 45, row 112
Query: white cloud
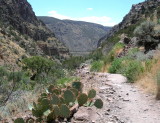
column 103, row 20
column 90, row 9
column 57, row 15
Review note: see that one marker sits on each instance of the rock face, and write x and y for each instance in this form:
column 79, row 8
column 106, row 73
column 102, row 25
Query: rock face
column 20, row 15
column 142, row 11
column 19, row 25
column 80, row 37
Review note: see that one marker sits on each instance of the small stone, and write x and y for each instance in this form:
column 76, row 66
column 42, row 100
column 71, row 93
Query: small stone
column 126, row 100
column 146, row 109
column 111, row 92
column 106, row 113
column 103, row 88
column 109, row 110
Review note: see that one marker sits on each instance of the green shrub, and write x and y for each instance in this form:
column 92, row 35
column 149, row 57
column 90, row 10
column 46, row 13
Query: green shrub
column 73, row 62
column 41, row 67
column 132, row 52
column 96, row 55
column 17, row 38
column 66, row 80
column 38, row 64
column 128, row 67
column 113, row 53
column 43, row 70
column 116, row 65
column 146, row 34
column 133, row 70
column 96, row 66
column 109, row 58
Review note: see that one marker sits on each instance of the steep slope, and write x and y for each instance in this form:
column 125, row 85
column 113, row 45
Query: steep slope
column 20, row 27
column 148, row 10
column 79, row 37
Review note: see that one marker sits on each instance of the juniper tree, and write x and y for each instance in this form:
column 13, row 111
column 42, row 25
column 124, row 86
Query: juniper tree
column 147, row 35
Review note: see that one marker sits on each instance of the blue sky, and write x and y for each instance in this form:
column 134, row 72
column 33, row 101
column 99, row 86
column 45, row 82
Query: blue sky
column 105, row 12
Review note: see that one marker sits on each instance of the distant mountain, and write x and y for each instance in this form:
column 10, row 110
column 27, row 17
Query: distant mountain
column 22, row 34
column 80, row 37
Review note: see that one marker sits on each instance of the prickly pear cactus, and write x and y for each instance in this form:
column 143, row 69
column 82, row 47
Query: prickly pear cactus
column 75, row 91
column 91, row 94
column 56, row 110
column 60, row 103
column 77, row 85
column 19, row 120
column 69, row 96
column 55, row 100
column 64, row 111
column 98, row 103
column 62, row 100
column 51, row 88
column 56, row 91
column 82, row 99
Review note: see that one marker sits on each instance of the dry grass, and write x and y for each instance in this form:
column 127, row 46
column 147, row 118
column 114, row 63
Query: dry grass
column 105, row 68
column 19, row 104
column 147, row 80
column 11, row 51
column 147, row 83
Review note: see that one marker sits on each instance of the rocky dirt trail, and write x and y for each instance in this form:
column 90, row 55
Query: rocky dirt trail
column 123, row 102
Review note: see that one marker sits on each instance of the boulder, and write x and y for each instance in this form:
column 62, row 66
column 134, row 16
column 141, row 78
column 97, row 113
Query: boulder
column 85, row 115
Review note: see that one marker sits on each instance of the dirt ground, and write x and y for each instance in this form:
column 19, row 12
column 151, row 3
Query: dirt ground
column 123, row 102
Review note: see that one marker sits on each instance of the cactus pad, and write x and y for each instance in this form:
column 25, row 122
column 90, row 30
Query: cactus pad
column 82, row 99
column 56, row 91
column 69, row 96
column 19, row 120
column 91, row 94
column 77, row 85
column 56, row 111
column 37, row 113
column 64, row 111
column 45, row 101
column 98, row 103
column 50, row 88
column 62, row 101
column 55, row 100
column 51, row 117
column 75, row 91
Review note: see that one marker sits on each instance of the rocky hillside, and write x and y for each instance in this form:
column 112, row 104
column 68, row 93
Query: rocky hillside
column 22, row 34
column 148, row 10
column 79, row 37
